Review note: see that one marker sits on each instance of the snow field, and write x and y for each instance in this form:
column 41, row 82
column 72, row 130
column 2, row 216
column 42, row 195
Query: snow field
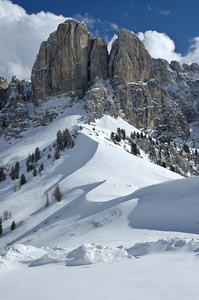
column 125, row 229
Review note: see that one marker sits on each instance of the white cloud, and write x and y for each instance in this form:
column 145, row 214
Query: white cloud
column 193, row 54
column 162, row 46
column 21, row 35
column 159, row 45
column 114, row 26
column 165, row 12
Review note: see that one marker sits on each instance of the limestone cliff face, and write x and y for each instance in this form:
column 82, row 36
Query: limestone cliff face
column 62, row 63
column 129, row 60
column 66, row 63
column 74, row 63
column 98, row 61
column 182, row 84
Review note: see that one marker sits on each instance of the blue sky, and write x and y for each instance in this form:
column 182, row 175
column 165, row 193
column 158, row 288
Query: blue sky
column 168, row 29
column 178, row 19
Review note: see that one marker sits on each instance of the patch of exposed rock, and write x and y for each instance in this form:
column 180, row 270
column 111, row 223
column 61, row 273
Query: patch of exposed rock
column 182, row 84
column 3, row 89
column 14, row 116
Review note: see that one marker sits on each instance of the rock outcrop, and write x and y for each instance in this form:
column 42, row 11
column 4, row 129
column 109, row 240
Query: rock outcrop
column 63, row 63
column 182, row 84
column 73, row 65
column 3, row 88
column 129, row 60
column 14, row 116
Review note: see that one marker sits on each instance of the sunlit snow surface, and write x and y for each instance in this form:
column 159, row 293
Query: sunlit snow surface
column 125, row 229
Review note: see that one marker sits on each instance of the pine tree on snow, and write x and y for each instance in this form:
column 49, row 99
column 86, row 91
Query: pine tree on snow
column 1, row 227
column 57, row 194
column 13, row 226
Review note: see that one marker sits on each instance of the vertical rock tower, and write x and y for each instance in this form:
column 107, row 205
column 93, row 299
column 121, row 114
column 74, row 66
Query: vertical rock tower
column 74, row 63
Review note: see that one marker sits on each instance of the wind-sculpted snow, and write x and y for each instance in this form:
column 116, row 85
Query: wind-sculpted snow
column 88, row 254
column 170, row 206
column 174, row 244
column 95, row 253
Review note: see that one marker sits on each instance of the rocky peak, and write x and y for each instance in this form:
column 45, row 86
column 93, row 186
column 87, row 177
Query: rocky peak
column 129, row 60
column 73, row 64
column 66, row 63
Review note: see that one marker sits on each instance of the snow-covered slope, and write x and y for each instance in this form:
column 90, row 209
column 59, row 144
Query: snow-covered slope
column 115, row 207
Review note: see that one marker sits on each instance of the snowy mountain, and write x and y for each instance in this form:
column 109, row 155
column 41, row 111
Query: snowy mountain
column 116, row 208
column 91, row 207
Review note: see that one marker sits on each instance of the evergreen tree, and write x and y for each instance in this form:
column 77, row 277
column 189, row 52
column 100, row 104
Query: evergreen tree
column 12, row 173
column 57, row 194
column 29, row 159
column 23, row 179
column 33, row 158
column 2, row 174
column 41, row 167
column 57, row 154
column 37, row 154
column 60, row 140
column 68, row 141
column 13, row 226
column 17, row 169
column 28, row 167
column 112, row 136
column 1, row 227
column 123, row 133
column 35, row 172
column 132, row 136
column 134, row 149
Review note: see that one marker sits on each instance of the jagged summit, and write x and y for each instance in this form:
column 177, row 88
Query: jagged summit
column 74, row 65
column 71, row 59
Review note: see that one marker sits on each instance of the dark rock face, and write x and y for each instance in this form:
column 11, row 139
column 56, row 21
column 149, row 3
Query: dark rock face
column 14, row 117
column 98, row 60
column 3, row 88
column 182, row 84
